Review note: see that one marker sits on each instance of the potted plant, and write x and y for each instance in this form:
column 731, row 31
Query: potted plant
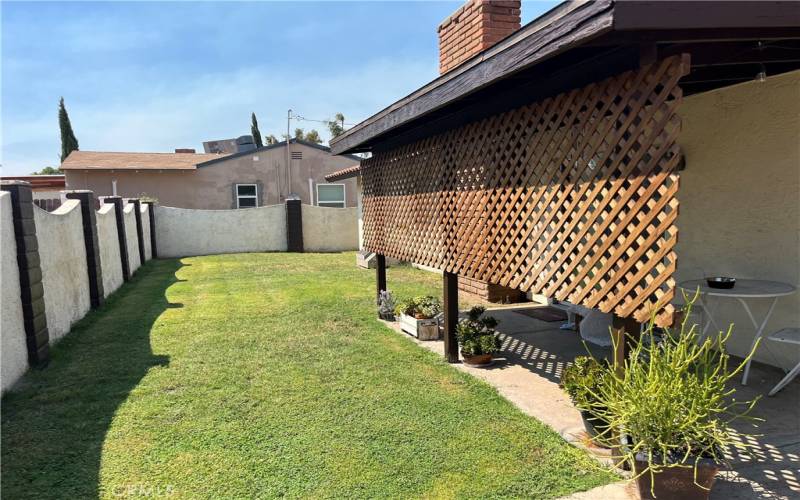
column 477, row 337
column 581, row 381
column 418, row 316
column 386, row 306
column 670, row 406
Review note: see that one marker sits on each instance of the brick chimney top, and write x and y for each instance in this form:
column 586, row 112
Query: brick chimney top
column 473, row 28
column 185, row 150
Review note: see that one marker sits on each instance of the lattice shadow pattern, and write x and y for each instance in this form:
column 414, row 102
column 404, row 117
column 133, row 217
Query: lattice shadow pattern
column 573, row 196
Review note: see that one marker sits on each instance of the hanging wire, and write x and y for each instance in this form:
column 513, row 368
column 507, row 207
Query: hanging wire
column 302, row 118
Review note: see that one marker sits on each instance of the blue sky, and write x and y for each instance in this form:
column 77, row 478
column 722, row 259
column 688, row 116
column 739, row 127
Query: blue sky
column 153, row 76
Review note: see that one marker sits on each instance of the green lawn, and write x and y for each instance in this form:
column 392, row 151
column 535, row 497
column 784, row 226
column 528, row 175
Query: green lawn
column 267, row 375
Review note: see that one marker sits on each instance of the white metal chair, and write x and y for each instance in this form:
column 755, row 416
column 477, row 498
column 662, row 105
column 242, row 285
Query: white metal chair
column 788, row 336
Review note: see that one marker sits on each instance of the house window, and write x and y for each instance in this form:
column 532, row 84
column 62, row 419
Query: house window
column 330, row 195
column 246, row 196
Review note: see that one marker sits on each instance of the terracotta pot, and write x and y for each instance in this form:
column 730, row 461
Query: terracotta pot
column 676, row 483
column 479, row 360
column 420, row 316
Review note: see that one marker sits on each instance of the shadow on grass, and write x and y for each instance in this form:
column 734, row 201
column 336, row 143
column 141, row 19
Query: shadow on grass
column 54, row 422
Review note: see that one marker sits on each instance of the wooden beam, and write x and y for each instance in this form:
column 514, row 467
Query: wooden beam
column 624, row 332
column 450, row 282
column 380, row 274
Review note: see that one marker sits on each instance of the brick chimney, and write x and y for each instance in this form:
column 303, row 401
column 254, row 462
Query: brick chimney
column 474, row 27
column 185, row 150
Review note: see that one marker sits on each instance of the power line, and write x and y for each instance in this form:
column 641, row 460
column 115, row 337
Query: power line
column 301, row 118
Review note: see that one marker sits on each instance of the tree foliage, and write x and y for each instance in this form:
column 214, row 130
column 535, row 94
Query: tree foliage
column 69, row 142
column 301, row 135
column 255, row 132
column 336, row 126
column 313, row 136
column 48, row 171
column 270, row 140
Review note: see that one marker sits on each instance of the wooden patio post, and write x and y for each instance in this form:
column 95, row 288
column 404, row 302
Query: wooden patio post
column 624, row 332
column 450, row 306
column 380, row 274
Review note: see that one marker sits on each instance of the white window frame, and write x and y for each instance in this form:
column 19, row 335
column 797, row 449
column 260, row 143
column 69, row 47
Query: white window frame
column 344, row 195
column 238, row 196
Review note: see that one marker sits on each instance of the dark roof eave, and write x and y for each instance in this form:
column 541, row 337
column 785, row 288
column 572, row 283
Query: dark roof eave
column 273, row 146
column 568, row 26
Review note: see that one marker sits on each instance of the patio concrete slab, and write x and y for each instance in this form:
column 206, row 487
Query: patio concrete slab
column 527, row 372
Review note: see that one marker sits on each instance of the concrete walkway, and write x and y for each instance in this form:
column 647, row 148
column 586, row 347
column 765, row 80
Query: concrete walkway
column 528, row 369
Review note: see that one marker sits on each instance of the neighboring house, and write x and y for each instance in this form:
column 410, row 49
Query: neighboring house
column 43, row 186
column 251, row 178
column 46, row 189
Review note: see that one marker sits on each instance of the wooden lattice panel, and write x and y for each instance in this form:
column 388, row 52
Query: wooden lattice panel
column 573, row 197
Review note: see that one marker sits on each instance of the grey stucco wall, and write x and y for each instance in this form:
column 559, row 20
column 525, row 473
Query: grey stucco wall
column 63, row 259
column 109, row 249
column 740, row 199
column 329, row 229
column 184, row 232
column 13, row 353
column 132, row 238
column 148, row 251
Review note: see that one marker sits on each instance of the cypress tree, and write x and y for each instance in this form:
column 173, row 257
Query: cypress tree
column 69, row 142
column 255, row 132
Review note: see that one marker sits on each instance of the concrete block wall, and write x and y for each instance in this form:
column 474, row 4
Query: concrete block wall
column 63, row 259
column 109, row 249
column 50, row 272
column 182, row 232
column 329, row 229
column 13, row 350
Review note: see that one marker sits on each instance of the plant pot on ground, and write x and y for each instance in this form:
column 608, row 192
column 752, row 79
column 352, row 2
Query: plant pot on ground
column 386, row 306
column 671, row 402
column 418, row 316
column 581, row 381
column 477, row 337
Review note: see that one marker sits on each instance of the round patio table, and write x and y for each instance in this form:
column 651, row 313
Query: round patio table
column 744, row 291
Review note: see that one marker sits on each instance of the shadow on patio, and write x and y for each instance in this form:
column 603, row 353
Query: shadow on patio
column 535, row 353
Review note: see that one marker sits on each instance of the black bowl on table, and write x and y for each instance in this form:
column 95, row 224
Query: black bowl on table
column 721, row 282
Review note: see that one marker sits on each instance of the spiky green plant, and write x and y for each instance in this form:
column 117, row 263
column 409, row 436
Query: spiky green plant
column 670, row 400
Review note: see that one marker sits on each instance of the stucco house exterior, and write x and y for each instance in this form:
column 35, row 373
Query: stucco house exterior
column 211, row 181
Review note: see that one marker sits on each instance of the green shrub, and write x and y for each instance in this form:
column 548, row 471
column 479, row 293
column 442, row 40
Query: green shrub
column 670, row 400
column 581, row 381
column 425, row 305
column 476, row 334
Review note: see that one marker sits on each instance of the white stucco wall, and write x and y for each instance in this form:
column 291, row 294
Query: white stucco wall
column 740, row 198
column 329, row 229
column 109, row 249
column 183, row 232
column 62, row 252
column 131, row 237
column 13, row 353
column 148, row 251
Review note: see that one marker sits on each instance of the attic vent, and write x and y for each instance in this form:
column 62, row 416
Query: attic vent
column 297, row 155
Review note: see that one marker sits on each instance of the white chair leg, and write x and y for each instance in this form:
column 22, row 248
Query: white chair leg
column 785, row 380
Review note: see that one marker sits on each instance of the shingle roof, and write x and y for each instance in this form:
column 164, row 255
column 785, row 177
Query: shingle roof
column 344, row 173
column 101, row 160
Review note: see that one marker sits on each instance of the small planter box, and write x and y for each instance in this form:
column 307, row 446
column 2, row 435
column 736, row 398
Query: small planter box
column 423, row 329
